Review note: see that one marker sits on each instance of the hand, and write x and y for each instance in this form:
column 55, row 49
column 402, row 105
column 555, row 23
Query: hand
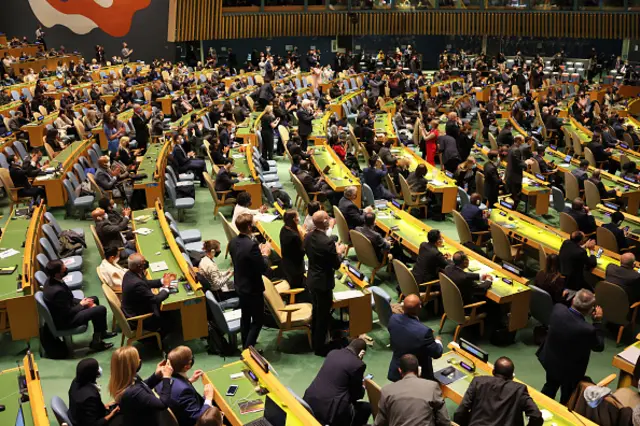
column 113, row 412
column 586, row 209
column 167, row 278
column 486, row 277
column 208, row 392
column 368, row 209
column 241, row 175
column 597, row 314
column 160, row 365
column 590, row 244
column 265, row 249
column 447, row 256
column 87, row 302
column 196, row 375
column 341, row 248
column 126, row 212
column 332, row 223
column 263, row 209
column 438, row 338
column 565, row 293
column 166, row 370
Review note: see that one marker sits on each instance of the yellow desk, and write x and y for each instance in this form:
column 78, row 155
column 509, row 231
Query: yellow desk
column 339, row 177
column 36, row 129
column 456, row 390
column 154, row 165
column 383, row 128
column 122, row 117
column 411, row 232
column 192, row 307
column 34, row 410
column 220, row 378
column 626, row 368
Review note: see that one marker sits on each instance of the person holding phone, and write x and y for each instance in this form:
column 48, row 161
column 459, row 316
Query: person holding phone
column 621, row 234
column 335, row 392
column 576, row 257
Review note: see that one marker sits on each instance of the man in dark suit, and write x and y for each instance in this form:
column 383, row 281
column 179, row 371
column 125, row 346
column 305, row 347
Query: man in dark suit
column 581, row 173
column 186, row 403
column 380, row 244
column 431, row 261
column 497, row 400
column 325, row 257
column 353, row 215
column 305, row 122
column 574, row 260
column 602, row 190
column 140, row 121
column 334, row 393
column 68, row 312
column 452, row 128
column 505, row 137
column 409, row 336
column 565, row 352
column 110, row 231
column 474, row 216
column 515, row 167
column 580, row 213
column 311, row 183
column 614, row 226
column 448, row 146
column 20, row 180
column 137, row 297
column 186, row 161
column 225, row 179
column 492, row 180
column 225, row 134
column 597, row 148
column 470, row 289
column 250, row 261
column 625, row 276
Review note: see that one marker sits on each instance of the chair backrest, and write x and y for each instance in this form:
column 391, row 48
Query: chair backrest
column 229, row 230
column 452, row 300
column 567, row 223
column 542, row 257
column 464, row 197
column 367, row 195
column 341, row 223
column 171, row 191
column 3, row 161
column 70, row 191
column 577, row 146
column 606, row 239
column 116, row 310
column 501, row 244
column 405, row 278
column 97, row 240
column 588, row 154
column 540, row 305
column 60, row 410
column 42, row 260
column 464, row 232
column 211, row 186
column 480, row 183
column 373, row 393
column 571, row 186
column 558, row 199
column 614, row 302
column 535, row 167
column 382, row 304
column 406, row 192
column 591, row 194
column 80, row 172
column 44, row 313
column 53, row 222
column 300, row 189
column 73, row 179
column 624, row 160
column 216, row 312
column 7, row 182
column 48, row 248
column 96, row 188
column 493, row 142
column 364, row 249
column 274, row 301
column 51, row 235
column 41, row 278
column 22, row 152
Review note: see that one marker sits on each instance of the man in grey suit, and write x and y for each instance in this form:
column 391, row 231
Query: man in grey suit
column 515, row 167
column 412, row 400
column 625, row 276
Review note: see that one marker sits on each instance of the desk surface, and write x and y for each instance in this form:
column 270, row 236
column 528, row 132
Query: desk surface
column 148, row 164
column 69, row 152
column 9, row 396
column 14, row 235
column 241, row 165
column 338, row 176
column 433, row 173
column 152, row 248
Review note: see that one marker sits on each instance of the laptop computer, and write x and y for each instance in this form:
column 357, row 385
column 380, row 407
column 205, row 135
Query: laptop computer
column 273, row 415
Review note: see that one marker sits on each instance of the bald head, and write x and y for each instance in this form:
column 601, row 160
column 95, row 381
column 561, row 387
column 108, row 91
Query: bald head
column 97, row 214
column 103, row 161
column 627, row 260
column 412, row 305
column 321, row 220
column 504, row 368
column 136, row 262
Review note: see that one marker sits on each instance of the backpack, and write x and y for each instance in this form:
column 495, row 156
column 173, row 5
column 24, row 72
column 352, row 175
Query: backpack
column 53, row 347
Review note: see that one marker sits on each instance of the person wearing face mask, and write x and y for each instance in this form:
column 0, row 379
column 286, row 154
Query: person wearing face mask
column 186, row 403
column 475, row 217
column 292, row 247
column 110, row 233
column 492, row 180
column 186, row 162
column 226, row 179
column 110, row 271
column 138, row 404
column 68, row 312
column 467, row 282
column 218, row 281
column 21, row 181
column 137, row 297
column 108, row 179
column 85, row 404
column 335, row 392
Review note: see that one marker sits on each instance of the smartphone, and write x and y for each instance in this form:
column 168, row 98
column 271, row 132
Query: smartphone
column 599, row 253
column 625, row 229
column 368, row 377
column 231, row 391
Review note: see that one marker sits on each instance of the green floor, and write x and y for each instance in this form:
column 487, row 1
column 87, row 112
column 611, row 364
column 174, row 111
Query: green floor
column 295, row 363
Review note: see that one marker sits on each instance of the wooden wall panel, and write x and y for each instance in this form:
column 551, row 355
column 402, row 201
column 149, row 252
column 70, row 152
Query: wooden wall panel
column 204, row 19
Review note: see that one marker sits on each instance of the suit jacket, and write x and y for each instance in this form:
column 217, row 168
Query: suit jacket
column 109, row 233
column 449, row 148
column 61, row 303
column 305, row 119
column 621, row 239
column 429, row 263
column 137, row 297
column 292, row 252
column 185, row 403
column 352, row 214
column 417, row 184
column 598, row 151
column 492, row 183
column 336, row 387
column 570, row 340
column 515, row 166
column 505, row 137
column 573, row 262
column 380, row 245
column 323, row 261
column 375, row 178
column 473, row 215
column 466, row 283
column 249, row 265
column 310, row 183
column 409, row 336
column 105, row 180
column 140, row 126
column 494, row 401
column 412, row 401
column 85, row 405
column 581, row 175
column 140, row 407
column 181, row 159
column 586, row 223
column 626, row 278
column 225, row 180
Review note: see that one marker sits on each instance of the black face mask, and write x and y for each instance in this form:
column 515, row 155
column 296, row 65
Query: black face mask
column 216, row 254
column 145, row 265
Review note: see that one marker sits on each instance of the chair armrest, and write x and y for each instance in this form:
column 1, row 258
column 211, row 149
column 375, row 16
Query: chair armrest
column 429, row 283
column 417, row 194
column 628, row 248
column 289, row 309
column 224, row 195
column 480, row 232
column 635, row 305
column 296, row 291
column 607, row 199
column 607, row 380
column 140, row 317
column 140, row 320
column 475, row 305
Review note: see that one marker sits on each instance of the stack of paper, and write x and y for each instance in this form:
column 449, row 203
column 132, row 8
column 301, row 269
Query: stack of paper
column 143, row 231
column 158, row 266
column 349, row 294
column 8, row 253
column 630, row 354
column 265, row 217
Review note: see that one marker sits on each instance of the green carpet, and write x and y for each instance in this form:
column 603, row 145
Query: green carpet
column 294, row 362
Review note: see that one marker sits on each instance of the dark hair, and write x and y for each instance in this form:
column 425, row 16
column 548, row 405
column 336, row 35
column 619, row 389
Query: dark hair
column 553, row 264
column 433, row 236
column 584, row 163
column 244, row 199
column 87, row 371
column 617, row 217
column 211, row 245
column 289, row 218
column 369, row 218
column 408, row 364
column 313, row 207
column 459, row 257
column 104, row 203
column 357, row 345
column 493, row 154
column 54, row 267
column 577, row 236
column 110, row 252
column 421, row 170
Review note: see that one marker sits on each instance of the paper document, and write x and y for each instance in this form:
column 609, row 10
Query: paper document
column 232, row 315
column 8, row 253
column 237, row 156
column 436, row 183
column 349, row 294
column 158, row 266
column 527, row 181
column 630, row 354
column 68, row 261
column 265, row 217
column 185, row 183
column 143, row 231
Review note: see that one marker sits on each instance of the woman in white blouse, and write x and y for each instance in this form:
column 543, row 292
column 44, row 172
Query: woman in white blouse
column 243, row 201
column 220, row 281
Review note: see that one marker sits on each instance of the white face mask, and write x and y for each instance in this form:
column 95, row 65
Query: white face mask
column 99, row 372
column 106, row 216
